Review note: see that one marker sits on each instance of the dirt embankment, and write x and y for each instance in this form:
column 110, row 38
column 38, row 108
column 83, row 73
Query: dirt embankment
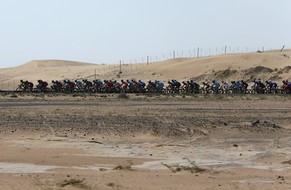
column 164, row 116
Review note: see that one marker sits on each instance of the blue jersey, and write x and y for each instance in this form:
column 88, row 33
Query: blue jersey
column 236, row 85
column 216, row 84
column 160, row 85
column 273, row 83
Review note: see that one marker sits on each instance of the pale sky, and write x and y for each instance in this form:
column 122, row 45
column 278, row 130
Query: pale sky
column 106, row 31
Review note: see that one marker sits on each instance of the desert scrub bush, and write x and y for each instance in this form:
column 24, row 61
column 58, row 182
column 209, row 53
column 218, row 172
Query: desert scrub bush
column 72, row 182
column 151, row 94
column 111, row 184
column 125, row 166
column 262, row 96
column 218, row 96
column 192, row 167
column 122, row 96
column 194, row 95
column 114, row 186
column 79, row 95
column 14, row 96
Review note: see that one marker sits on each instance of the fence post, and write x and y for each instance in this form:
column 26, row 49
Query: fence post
column 282, row 48
column 198, row 53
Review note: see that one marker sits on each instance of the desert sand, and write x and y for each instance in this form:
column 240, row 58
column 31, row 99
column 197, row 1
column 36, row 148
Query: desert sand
column 145, row 142
column 107, row 141
column 274, row 65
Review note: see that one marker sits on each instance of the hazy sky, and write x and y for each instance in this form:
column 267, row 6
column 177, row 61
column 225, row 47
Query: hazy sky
column 106, row 31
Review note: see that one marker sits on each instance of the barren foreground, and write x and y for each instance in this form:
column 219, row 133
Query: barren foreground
column 157, row 142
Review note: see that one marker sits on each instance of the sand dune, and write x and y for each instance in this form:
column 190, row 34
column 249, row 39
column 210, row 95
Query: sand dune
column 273, row 65
column 53, row 63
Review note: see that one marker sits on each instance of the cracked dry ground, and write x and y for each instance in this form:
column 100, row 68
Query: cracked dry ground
column 145, row 142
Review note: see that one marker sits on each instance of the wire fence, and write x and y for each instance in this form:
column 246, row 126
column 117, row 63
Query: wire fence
column 198, row 53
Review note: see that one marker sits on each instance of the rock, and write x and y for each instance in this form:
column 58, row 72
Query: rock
column 255, row 122
column 287, row 162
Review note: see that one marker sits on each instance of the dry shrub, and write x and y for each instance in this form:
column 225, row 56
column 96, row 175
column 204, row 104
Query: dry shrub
column 72, row 182
column 192, row 167
column 126, row 166
column 122, row 96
